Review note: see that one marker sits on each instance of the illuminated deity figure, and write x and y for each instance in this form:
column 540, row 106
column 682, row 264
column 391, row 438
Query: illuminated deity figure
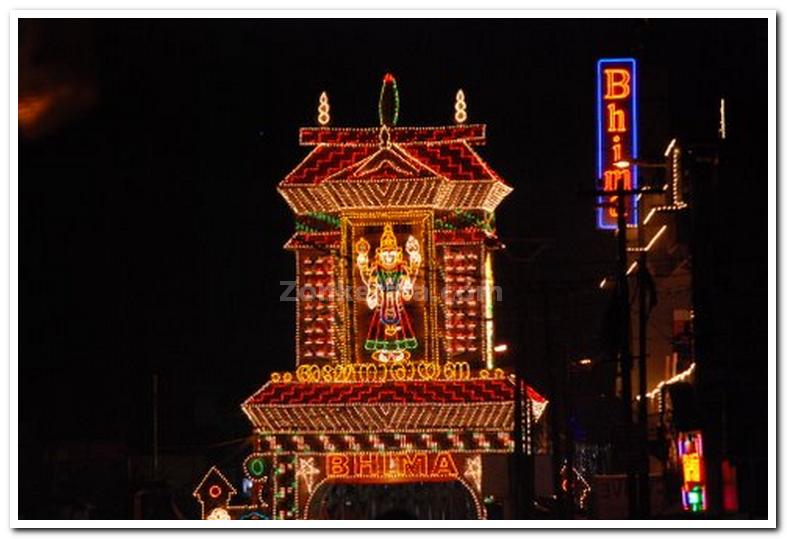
column 390, row 282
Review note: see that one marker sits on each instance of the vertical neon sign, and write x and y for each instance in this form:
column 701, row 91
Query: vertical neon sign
column 616, row 119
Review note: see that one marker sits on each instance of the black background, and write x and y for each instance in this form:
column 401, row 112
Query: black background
column 151, row 233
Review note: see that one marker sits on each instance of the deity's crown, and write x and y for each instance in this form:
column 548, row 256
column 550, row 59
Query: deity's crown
column 388, row 240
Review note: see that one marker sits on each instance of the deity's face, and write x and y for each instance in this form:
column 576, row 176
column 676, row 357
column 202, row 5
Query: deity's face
column 389, row 257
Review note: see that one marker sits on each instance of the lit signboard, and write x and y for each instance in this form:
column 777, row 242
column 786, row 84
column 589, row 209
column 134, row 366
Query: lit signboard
column 391, row 467
column 692, row 462
column 616, row 95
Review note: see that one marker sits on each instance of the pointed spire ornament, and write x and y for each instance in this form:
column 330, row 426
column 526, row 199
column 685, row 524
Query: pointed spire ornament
column 324, row 110
column 460, row 108
column 388, row 105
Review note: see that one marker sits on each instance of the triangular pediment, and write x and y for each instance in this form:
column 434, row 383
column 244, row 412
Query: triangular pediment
column 387, row 163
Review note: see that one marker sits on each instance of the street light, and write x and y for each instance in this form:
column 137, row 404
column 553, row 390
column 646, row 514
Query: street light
column 641, row 164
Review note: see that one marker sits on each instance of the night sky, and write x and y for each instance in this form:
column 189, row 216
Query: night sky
column 151, row 233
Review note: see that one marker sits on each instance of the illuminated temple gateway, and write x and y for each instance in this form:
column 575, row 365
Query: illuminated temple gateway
column 395, row 407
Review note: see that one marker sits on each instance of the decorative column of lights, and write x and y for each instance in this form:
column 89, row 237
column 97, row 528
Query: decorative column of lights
column 462, row 275
column 722, row 119
column 461, row 299
column 316, row 297
column 285, row 488
column 323, row 110
column 676, row 174
column 341, row 328
column 442, row 310
column 275, row 495
column 460, row 108
column 315, row 246
column 489, row 326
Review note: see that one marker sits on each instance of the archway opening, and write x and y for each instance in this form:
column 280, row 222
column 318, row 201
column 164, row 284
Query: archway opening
column 394, row 501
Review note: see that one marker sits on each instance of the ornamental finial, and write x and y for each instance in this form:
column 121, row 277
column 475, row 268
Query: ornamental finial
column 460, row 108
column 388, row 107
column 324, row 110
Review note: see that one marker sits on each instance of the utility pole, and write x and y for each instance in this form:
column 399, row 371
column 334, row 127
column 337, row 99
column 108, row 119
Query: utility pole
column 625, row 340
column 155, row 425
column 523, row 460
column 568, row 501
column 555, row 383
column 642, row 335
column 638, row 502
column 518, row 433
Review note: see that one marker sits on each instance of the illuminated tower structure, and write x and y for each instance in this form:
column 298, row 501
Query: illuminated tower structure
column 395, row 381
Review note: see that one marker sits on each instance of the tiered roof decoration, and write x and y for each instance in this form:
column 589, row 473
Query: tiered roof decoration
column 409, row 166
column 443, row 391
column 485, row 404
column 345, row 154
